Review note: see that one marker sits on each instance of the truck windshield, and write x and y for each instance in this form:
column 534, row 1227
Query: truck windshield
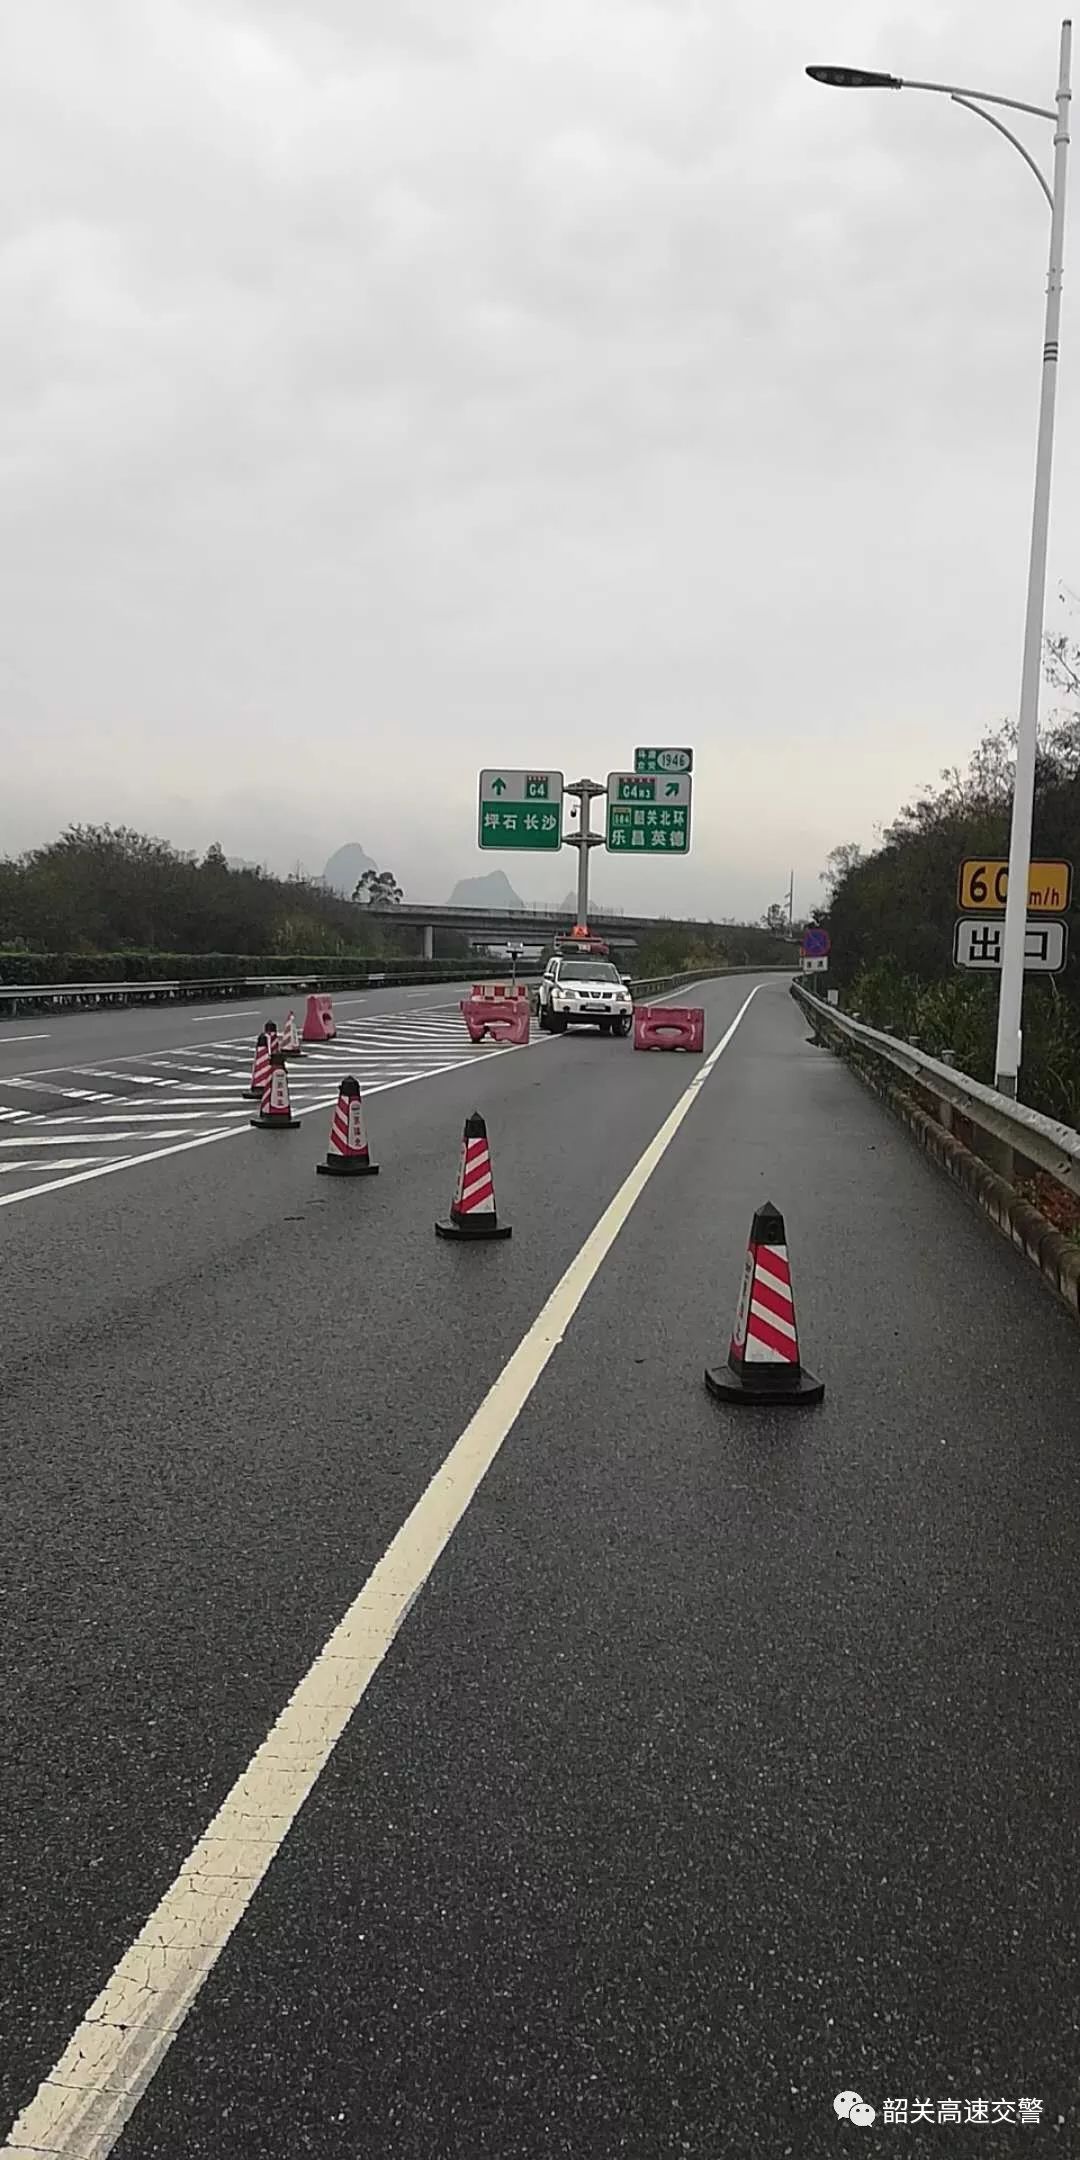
column 589, row 971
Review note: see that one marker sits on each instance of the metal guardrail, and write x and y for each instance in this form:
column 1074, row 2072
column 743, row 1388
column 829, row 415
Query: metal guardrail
column 26, row 997
column 1040, row 1140
column 16, row 997
column 656, row 985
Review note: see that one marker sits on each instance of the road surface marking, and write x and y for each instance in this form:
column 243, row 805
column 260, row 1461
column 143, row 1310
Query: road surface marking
column 5, row 1039
column 79, row 2111
column 325, row 1102
column 238, row 1043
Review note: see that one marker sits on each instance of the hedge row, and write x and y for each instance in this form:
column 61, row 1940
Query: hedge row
column 46, row 967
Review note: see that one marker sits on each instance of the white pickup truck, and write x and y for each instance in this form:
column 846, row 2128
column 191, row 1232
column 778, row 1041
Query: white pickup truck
column 578, row 992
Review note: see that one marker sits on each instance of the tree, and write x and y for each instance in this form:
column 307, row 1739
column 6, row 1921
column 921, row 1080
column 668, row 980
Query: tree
column 840, row 862
column 379, row 888
column 104, row 888
column 775, row 918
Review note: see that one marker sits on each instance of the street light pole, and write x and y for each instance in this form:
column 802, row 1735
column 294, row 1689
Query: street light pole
column 1011, row 998
column 1011, row 993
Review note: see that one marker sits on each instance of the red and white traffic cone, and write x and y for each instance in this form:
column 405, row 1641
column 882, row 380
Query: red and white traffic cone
column 348, row 1154
column 763, row 1361
column 260, row 1072
column 275, row 1110
column 290, row 1041
column 472, row 1210
column 271, row 1034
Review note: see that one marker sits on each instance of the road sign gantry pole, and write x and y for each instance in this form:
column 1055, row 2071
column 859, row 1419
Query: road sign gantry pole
column 1010, row 1000
column 583, row 840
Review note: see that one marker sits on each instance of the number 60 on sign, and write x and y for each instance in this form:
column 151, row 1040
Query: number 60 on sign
column 986, row 885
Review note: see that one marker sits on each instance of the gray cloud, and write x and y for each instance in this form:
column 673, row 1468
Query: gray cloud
column 384, row 391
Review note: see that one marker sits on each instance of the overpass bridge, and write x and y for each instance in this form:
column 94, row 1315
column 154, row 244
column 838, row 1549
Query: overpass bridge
column 529, row 925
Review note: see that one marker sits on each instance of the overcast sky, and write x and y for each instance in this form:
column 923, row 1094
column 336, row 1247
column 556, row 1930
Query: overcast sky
column 391, row 387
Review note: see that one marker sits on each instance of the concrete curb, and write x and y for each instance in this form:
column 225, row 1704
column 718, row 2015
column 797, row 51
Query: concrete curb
column 1057, row 1259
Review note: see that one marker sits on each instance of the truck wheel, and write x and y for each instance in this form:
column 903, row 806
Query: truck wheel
column 605, row 1027
column 621, row 1026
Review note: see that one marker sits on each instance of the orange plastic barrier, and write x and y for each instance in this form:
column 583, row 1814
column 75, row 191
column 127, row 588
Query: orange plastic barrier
column 497, row 1013
column 319, row 1022
column 669, row 1027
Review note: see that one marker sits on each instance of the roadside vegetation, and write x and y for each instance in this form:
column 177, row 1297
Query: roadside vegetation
column 105, row 903
column 104, row 891
column 891, row 913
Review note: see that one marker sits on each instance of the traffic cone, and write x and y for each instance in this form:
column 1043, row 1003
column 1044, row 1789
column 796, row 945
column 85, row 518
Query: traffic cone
column 472, row 1210
column 271, row 1034
column 290, row 1041
column 763, row 1361
column 260, row 1072
column 275, row 1108
column 348, row 1154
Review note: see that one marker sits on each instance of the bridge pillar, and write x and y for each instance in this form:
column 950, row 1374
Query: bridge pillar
column 429, row 941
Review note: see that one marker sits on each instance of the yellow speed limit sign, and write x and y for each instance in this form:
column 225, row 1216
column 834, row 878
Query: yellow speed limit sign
column 985, row 885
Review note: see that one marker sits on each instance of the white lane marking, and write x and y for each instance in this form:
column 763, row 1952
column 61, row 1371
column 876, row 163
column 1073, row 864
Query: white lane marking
column 5, row 1039
column 326, row 1102
column 66, row 1162
column 166, row 1115
column 84, row 1138
column 240, row 1012
column 79, row 2111
column 128, row 1057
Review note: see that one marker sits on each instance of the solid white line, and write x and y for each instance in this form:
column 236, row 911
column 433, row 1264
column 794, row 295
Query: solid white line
column 79, row 2111
column 5, row 1039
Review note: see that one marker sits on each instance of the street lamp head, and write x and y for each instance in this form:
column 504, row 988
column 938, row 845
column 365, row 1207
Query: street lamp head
column 855, row 78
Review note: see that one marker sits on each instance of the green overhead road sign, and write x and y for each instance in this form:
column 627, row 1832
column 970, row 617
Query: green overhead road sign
column 520, row 809
column 663, row 761
column 648, row 813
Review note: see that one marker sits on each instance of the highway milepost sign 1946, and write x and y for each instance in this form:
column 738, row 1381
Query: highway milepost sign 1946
column 648, row 813
column 663, row 761
column 520, row 809
column 978, row 939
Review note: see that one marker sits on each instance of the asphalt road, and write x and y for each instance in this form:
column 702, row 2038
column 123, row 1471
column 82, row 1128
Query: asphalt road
column 139, row 1085
column 727, row 1760
column 72, row 1041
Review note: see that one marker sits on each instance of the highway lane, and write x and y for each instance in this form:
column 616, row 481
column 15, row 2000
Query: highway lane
column 83, row 1120
column 225, row 1382
column 73, row 1041
column 724, row 1761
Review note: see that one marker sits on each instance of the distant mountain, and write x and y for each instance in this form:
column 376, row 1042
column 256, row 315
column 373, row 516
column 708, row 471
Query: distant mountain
column 569, row 905
column 492, row 891
column 346, row 867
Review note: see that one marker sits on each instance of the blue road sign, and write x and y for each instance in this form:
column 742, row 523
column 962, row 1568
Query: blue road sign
column 816, row 943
